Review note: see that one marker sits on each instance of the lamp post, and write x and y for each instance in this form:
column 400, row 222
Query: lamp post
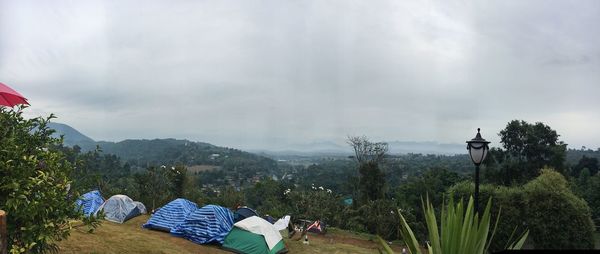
column 478, row 149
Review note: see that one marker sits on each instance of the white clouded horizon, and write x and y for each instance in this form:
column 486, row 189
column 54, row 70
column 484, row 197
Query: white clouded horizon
column 256, row 74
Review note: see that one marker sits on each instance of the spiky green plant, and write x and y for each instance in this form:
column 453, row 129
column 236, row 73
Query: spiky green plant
column 460, row 230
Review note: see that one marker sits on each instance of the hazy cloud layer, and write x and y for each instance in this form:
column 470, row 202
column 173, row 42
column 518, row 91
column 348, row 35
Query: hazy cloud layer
column 269, row 73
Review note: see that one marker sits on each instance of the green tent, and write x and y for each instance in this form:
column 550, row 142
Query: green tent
column 242, row 241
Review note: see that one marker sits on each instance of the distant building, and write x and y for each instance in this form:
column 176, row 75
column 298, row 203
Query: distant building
column 214, row 156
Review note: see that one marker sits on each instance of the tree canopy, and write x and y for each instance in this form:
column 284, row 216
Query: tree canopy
column 34, row 184
column 527, row 149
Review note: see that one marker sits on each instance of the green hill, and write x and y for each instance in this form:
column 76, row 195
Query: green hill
column 71, row 135
column 142, row 153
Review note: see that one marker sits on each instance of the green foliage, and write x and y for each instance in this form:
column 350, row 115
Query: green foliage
column 527, row 148
column 34, row 184
column 331, row 174
column 378, row 217
column 93, row 222
column 589, row 163
column 315, row 203
column 509, row 200
column 433, row 183
column 228, row 197
column 556, row 218
column 268, row 197
column 574, row 155
column 587, row 187
column 369, row 155
column 460, row 229
column 155, row 185
column 371, row 182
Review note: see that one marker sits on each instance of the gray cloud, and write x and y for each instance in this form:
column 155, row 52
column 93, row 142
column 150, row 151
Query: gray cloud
column 270, row 73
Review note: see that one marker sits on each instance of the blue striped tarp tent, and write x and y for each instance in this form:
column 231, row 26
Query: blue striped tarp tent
column 89, row 202
column 171, row 215
column 209, row 224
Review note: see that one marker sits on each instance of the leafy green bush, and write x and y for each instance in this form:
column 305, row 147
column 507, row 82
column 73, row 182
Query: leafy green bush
column 34, row 182
column 556, row 218
column 317, row 203
column 379, row 217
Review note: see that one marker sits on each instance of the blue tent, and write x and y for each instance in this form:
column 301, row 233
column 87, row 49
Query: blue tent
column 209, row 224
column 89, row 202
column 243, row 213
column 171, row 215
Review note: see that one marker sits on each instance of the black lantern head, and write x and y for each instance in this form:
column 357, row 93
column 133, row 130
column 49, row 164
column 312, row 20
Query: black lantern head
column 478, row 148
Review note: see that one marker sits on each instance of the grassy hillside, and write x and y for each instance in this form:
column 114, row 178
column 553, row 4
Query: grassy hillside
column 130, row 237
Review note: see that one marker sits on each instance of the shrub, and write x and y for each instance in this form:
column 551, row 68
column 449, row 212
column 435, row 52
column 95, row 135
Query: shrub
column 379, row 217
column 317, row 203
column 34, row 181
column 556, row 218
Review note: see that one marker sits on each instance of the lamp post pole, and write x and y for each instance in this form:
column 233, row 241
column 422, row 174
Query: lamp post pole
column 477, row 189
column 478, row 148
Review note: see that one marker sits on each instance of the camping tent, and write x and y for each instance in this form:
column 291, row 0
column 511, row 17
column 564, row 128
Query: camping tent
column 140, row 206
column 243, row 213
column 269, row 218
column 170, row 215
column 318, row 227
column 119, row 208
column 90, row 202
column 209, row 224
column 254, row 235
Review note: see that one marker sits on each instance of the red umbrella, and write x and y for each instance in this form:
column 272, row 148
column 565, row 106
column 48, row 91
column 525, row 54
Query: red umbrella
column 10, row 97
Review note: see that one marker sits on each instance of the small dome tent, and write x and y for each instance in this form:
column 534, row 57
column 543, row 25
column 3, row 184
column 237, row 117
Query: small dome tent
column 140, row 206
column 119, row 208
column 243, row 213
column 170, row 215
column 209, row 224
column 254, row 235
column 90, row 202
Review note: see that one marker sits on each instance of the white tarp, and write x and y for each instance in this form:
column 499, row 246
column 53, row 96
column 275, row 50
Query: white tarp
column 262, row 227
column 282, row 223
column 119, row 208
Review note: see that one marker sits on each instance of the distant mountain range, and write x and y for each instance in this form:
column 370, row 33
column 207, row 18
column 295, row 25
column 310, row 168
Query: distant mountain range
column 73, row 137
column 146, row 152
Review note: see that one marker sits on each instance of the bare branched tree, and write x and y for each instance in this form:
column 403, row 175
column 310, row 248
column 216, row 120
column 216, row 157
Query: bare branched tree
column 366, row 151
column 371, row 180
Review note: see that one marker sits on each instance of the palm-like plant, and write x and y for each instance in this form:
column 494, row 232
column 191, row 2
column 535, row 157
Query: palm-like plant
column 461, row 230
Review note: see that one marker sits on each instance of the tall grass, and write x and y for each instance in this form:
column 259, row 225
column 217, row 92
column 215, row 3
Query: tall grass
column 460, row 230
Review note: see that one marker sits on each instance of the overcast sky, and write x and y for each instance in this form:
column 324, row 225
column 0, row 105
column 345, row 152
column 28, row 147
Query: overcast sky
column 261, row 74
